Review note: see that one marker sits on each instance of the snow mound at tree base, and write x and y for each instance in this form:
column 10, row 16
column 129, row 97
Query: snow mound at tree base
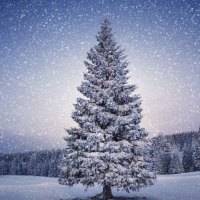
column 114, row 198
column 100, row 197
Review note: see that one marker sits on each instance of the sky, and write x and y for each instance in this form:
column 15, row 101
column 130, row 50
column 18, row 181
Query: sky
column 44, row 44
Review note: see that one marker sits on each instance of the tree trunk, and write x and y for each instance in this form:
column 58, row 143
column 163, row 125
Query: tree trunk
column 107, row 193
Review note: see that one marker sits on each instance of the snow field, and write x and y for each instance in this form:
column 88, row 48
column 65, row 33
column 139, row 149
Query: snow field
column 168, row 187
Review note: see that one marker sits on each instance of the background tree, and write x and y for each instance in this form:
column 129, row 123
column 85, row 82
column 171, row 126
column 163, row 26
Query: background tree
column 16, row 165
column 196, row 155
column 32, row 168
column 188, row 158
column 3, row 167
column 106, row 146
column 161, row 154
column 163, row 162
column 176, row 165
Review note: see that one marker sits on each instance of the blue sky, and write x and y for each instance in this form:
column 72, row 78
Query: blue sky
column 44, row 43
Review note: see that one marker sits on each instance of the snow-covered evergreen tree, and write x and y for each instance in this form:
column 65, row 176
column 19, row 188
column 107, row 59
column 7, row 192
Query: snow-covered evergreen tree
column 161, row 154
column 163, row 162
column 176, row 165
column 105, row 147
column 16, row 165
column 196, row 156
column 32, row 167
column 188, row 158
column 3, row 167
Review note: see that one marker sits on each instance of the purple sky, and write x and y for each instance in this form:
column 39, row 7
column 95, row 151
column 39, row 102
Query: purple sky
column 44, row 43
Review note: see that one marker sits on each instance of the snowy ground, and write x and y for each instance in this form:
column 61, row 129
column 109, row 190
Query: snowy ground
column 168, row 187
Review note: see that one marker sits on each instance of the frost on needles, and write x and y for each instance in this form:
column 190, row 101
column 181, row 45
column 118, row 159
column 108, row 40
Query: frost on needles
column 107, row 147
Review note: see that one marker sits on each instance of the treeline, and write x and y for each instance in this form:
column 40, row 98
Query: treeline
column 170, row 154
column 41, row 163
column 176, row 153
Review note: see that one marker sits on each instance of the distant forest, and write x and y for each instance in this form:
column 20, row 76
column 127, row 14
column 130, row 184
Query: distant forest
column 170, row 154
column 177, row 153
